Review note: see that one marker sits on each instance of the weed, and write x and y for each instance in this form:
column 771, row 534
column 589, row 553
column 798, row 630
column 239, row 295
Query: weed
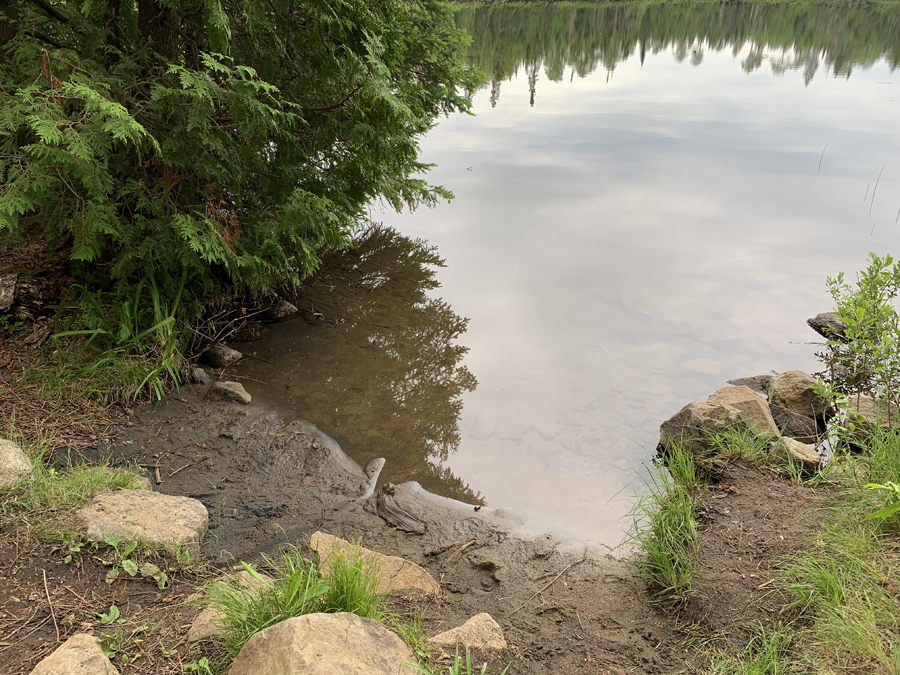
column 665, row 530
column 458, row 667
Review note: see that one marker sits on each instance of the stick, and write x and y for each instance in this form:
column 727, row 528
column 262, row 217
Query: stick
column 181, row 469
column 763, row 585
column 158, row 477
column 50, row 602
column 566, row 569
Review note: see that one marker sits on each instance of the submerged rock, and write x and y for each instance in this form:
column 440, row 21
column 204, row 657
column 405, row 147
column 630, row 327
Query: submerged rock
column 479, row 632
column 14, row 464
column 281, row 310
column 228, row 391
column 753, row 408
column 394, row 574
column 325, row 644
column 220, row 356
column 79, row 655
column 162, row 521
column 794, row 390
column 829, row 325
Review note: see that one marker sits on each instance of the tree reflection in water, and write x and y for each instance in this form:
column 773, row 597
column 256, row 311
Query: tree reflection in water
column 381, row 371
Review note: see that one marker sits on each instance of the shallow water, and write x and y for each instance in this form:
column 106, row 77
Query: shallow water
column 628, row 232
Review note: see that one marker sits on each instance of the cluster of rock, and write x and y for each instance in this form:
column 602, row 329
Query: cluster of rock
column 326, row 644
column 784, row 407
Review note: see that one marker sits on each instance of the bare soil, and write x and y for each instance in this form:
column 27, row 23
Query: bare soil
column 268, row 479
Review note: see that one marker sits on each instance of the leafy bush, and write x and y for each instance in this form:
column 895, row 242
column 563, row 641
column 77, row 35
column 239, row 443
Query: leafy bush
column 216, row 142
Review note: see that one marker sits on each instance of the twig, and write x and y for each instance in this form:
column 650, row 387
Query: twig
column 553, row 581
column 181, row 469
column 50, row 602
column 158, row 477
column 244, row 377
column 764, row 584
column 820, row 161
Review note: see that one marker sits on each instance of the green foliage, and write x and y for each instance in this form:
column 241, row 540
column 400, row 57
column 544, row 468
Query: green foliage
column 763, row 655
column 123, row 561
column 867, row 361
column 217, row 142
column 892, row 498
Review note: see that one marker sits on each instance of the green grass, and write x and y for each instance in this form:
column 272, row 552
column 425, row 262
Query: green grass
column 43, row 506
column 298, row 586
column 665, row 530
column 459, row 667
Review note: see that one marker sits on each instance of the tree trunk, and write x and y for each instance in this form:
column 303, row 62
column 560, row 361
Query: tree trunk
column 9, row 12
column 157, row 24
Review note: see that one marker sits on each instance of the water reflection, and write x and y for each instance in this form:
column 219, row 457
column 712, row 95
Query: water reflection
column 380, row 371
column 789, row 37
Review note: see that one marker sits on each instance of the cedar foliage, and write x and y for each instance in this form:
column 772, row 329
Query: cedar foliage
column 226, row 140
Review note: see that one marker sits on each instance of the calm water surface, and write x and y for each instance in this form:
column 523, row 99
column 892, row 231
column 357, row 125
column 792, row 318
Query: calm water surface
column 643, row 210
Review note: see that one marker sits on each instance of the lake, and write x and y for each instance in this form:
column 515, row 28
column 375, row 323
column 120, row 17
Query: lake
column 648, row 201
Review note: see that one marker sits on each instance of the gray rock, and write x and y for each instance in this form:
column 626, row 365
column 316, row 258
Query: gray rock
column 281, row 310
column 829, row 325
column 753, row 408
column 7, row 291
column 14, row 464
column 801, row 427
column 794, row 390
column 220, row 356
column 394, row 574
column 159, row 520
column 229, row 391
column 696, row 423
column 479, row 632
column 790, row 449
column 325, row 644
column 200, row 376
column 79, row 655
column 758, row 383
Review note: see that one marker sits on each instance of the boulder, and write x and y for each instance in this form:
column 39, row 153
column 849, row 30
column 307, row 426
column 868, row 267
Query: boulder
column 790, row 449
column 281, row 310
column 696, row 423
column 7, row 291
column 753, row 408
column 200, row 376
column 794, row 390
column 14, row 464
column 207, row 624
column 156, row 519
column 479, row 632
column 829, row 325
column 801, row 427
column 867, row 414
column 79, row 655
column 394, row 574
column 758, row 383
column 325, row 644
column 228, row 391
column 220, row 356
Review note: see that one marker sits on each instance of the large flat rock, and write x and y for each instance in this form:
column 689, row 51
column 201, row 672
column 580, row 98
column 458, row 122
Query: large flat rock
column 157, row 519
column 14, row 464
column 394, row 574
column 79, row 655
column 325, row 644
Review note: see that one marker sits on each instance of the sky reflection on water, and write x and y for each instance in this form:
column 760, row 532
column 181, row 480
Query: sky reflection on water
column 629, row 243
